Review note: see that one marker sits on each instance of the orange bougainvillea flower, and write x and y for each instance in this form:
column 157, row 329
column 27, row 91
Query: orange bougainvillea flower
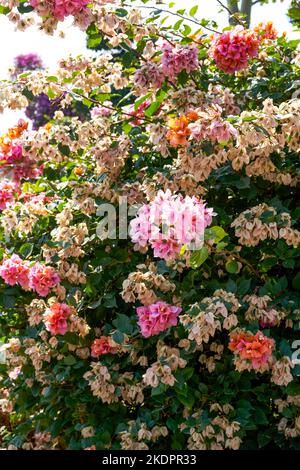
column 257, row 349
column 5, row 144
column 198, row 37
column 236, row 337
column 12, row 133
column 48, row 126
column 266, row 31
column 178, row 129
column 16, row 132
column 79, row 171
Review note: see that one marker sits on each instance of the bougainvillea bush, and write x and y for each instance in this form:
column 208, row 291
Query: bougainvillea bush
column 150, row 254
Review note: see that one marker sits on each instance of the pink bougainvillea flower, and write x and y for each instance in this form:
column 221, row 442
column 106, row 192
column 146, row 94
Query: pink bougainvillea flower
column 7, row 191
column 15, row 271
column 103, row 110
column 222, row 131
column 177, row 58
column 55, row 318
column 169, row 222
column 157, row 317
column 42, row 278
column 232, row 49
column 59, row 9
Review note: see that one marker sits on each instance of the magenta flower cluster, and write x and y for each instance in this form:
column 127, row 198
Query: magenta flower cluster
column 158, row 317
column 7, row 190
column 59, row 9
column 232, row 49
column 25, row 62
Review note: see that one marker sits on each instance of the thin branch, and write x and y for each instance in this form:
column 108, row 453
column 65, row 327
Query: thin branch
column 175, row 14
column 230, row 12
column 109, row 107
column 238, row 258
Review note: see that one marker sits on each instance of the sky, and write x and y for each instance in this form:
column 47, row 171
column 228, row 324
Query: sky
column 53, row 48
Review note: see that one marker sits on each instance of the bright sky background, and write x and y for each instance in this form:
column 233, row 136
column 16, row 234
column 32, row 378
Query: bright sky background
column 53, row 48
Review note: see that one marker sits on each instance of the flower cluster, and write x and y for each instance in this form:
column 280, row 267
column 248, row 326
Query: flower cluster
column 149, row 75
column 232, row 49
column 251, row 351
column 26, row 62
column 14, row 271
column 13, row 162
column 59, row 9
column 178, row 58
column 266, row 31
column 103, row 345
column 179, row 128
column 39, row 277
column 260, row 310
column 102, row 111
column 169, row 222
column 201, row 125
column 157, row 317
column 204, row 319
column 7, row 192
column 9, row 150
column 55, row 318
column 42, row 278
column 261, row 223
column 218, row 432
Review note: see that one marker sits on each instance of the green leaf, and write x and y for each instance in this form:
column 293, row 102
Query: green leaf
column 95, row 304
column 118, row 337
column 178, row 24
column 198, row 257
column 64, row 149
column 232, row 266
column 70, row 360
column 152, row 108
column 296, row 281
column 215, row 233
column 109, row 300
column 193, row 10
column 263, row 438
column 260, row 417
column 293, row 388
column 52, row 78
column 243, row 183
column 187, row 30
column 244, row 286
column 294, row 13
column 140, row 101
column 88, row 103
column 172, row 424
column 288, row 263
column 25, row 8
column 187, row 401
column 4, row 10
column 123, row 323
column 50, row 93
column 26, row 250
column 160, row 390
